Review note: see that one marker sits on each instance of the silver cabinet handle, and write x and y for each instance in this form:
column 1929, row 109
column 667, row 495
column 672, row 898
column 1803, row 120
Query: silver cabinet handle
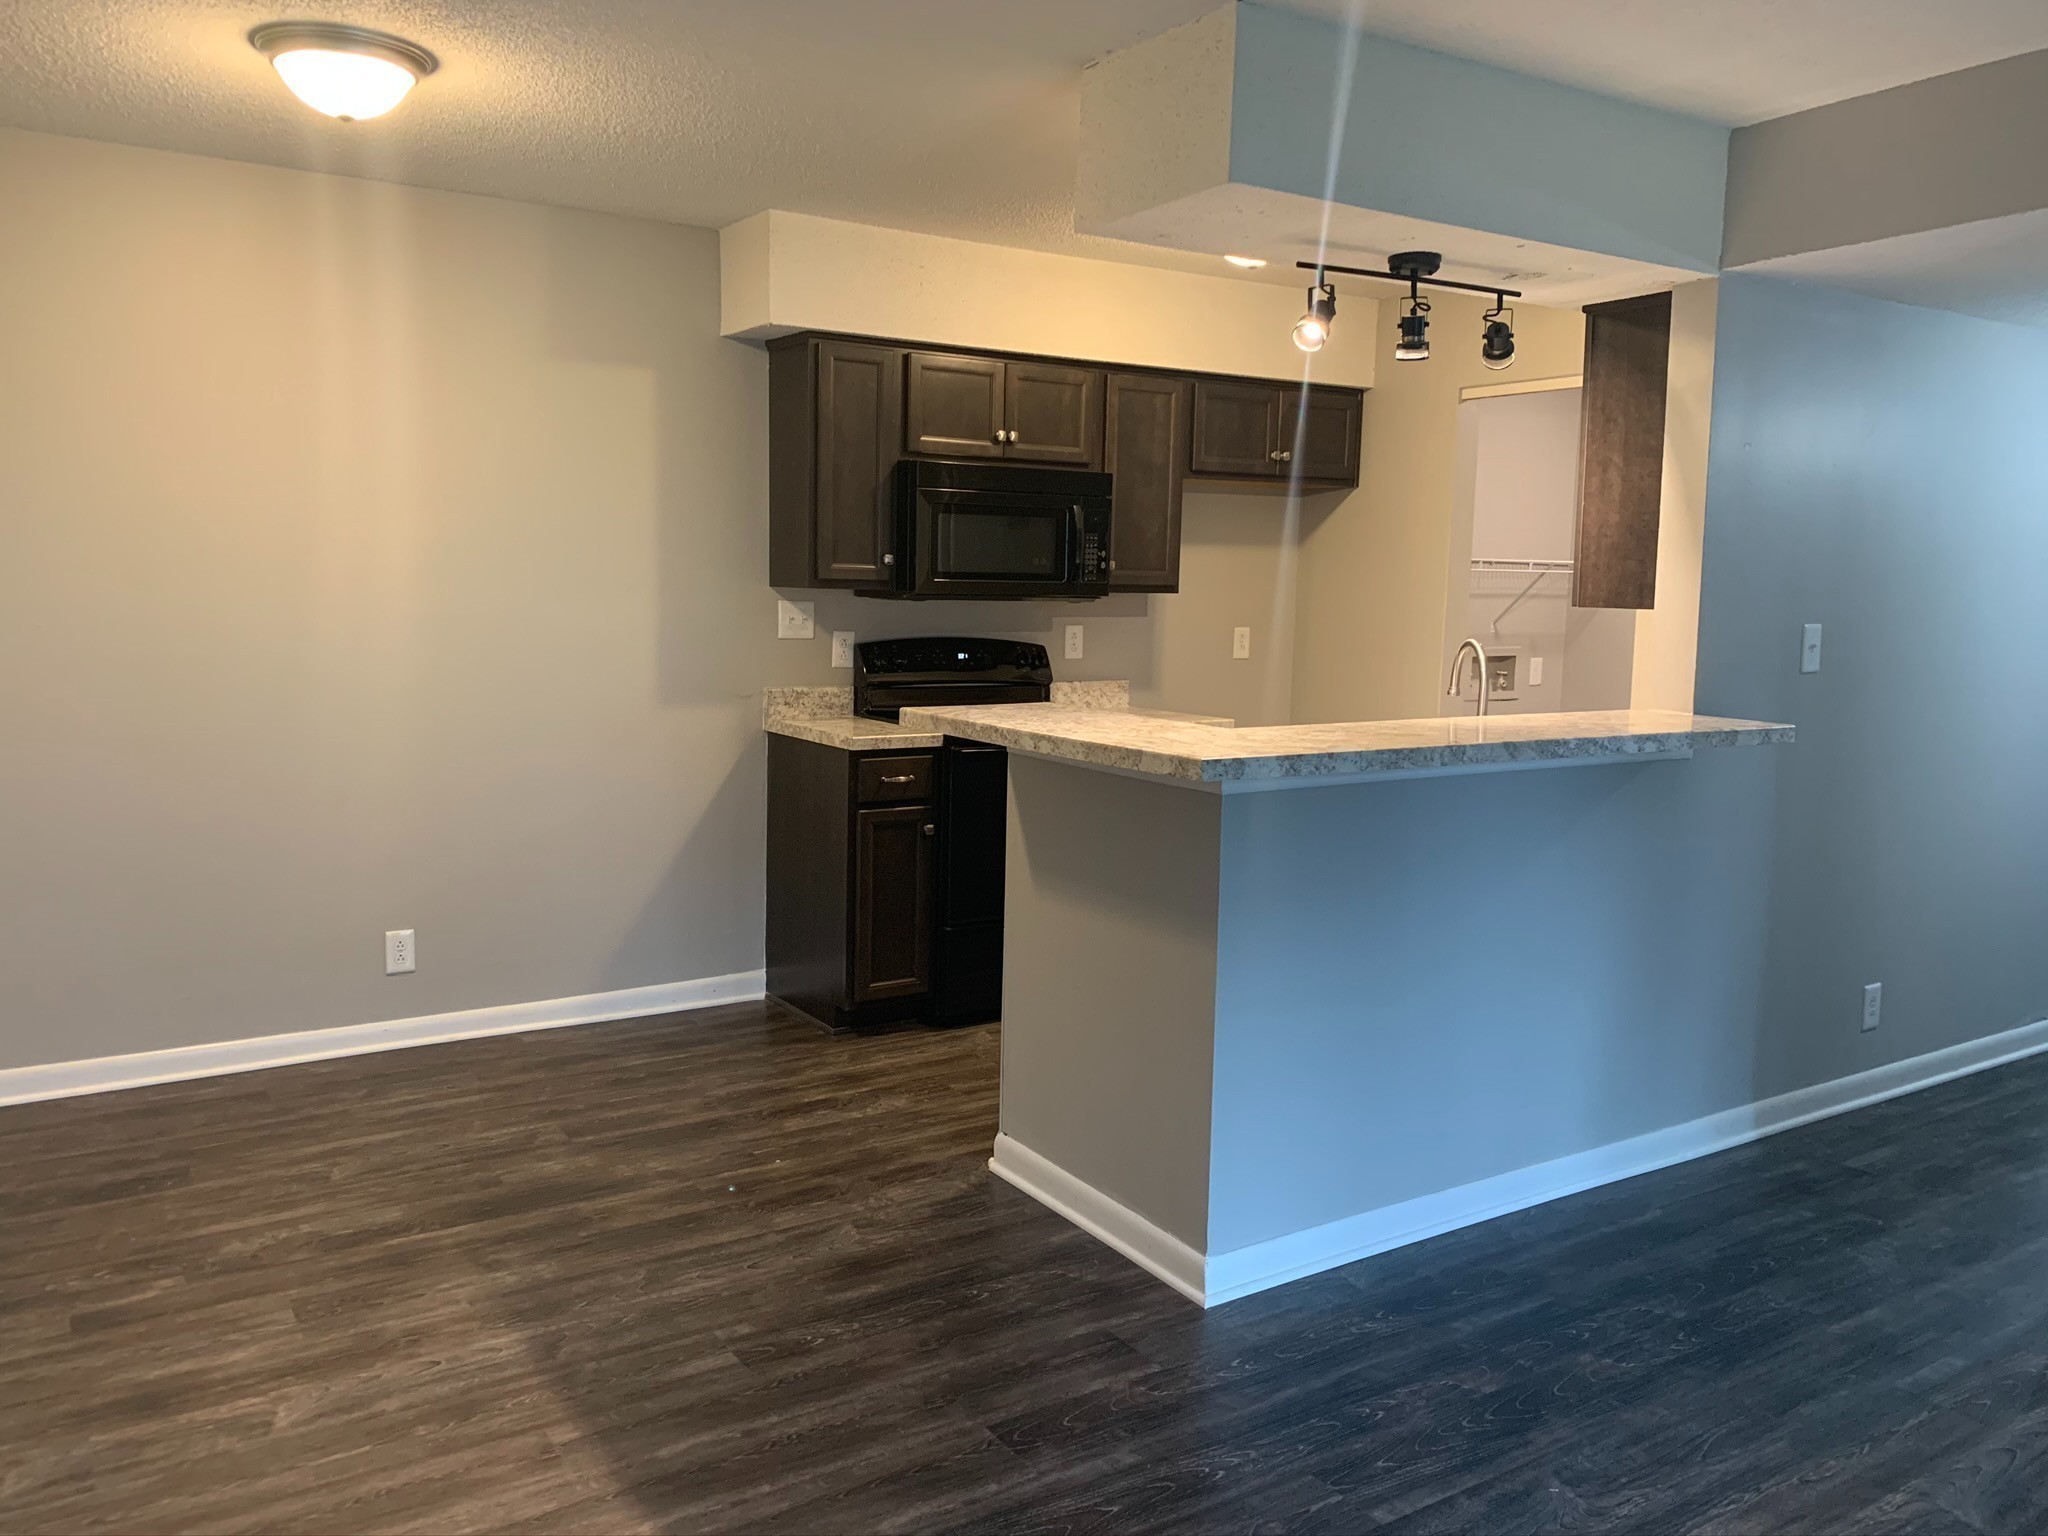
column 899, row 778
column 930, row 830
column 1281, row 455
column 1001, row 436
column 888, row 559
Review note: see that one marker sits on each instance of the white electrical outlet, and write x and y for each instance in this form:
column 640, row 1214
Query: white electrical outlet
column 1873, row 1005
column 842, row 647
column 1073, row 652
column 795, row 621
column 1535, row 671
column 400, row 956
column 1241, row 642
column 1809, row 649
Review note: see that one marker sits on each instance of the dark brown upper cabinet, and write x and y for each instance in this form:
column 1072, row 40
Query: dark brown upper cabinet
column 1145, row 447
column 1621, row 452
column 842, row 412
column 956, row 407
column 1252, row 431
column 1327, row 440
column 1237, row 429
column 835, row 431
column 1053, row 413
column 985, row 408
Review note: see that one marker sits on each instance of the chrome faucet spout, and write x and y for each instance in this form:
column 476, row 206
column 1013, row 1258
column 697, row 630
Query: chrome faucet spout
column 1453, row 688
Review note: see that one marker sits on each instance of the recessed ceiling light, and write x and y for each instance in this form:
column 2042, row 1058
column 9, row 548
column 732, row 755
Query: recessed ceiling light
column 1247, row 262
column 346, row 72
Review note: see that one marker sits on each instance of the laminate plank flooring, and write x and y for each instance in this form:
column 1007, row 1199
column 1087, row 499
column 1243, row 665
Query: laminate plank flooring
column 719, row 1272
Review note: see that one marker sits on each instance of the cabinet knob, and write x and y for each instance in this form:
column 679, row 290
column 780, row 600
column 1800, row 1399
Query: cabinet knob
column 1001, row 435
column 931, row 829
column 1281, row 455
column 888, row 559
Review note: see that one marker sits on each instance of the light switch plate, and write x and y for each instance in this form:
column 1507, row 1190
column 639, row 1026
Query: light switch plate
column 1241, row 642
column 1809, row 649
column 1873, row 1005
column 795, row 621
column 1073, row 642
column 1535, row 671
column 842, row 647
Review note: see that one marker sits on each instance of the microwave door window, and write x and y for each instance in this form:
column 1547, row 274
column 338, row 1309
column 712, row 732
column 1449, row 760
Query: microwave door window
column 994, row 545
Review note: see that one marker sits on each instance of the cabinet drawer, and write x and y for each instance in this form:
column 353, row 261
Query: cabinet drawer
column 881, row 780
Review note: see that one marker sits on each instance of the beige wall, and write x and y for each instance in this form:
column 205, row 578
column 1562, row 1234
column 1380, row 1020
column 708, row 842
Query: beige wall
column 373, row 558
column 788, row 272
column 1374, row 565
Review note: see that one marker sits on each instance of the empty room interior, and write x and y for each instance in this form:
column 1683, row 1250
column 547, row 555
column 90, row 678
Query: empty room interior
column 1023, row 765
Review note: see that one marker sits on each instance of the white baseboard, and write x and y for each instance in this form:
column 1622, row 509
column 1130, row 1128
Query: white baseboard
column 1214, row 1278
column 64, row 1079
column 1147, row 1246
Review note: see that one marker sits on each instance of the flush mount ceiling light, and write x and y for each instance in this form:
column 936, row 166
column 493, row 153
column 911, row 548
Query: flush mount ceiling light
column 1313, row 328
column 1249, row 263
column 348, row 73
column 1418, row 269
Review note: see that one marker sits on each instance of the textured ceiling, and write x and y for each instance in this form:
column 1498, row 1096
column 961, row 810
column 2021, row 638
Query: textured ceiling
column 1730, row 61
column 957, row 117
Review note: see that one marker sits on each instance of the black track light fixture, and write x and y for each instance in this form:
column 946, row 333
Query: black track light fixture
column 1313, row 328
column 1417, row 269
column 1497, row 341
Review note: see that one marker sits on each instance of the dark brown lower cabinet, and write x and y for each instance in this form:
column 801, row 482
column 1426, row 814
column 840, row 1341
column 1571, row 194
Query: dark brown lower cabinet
column 852, row 877
column 892, row 901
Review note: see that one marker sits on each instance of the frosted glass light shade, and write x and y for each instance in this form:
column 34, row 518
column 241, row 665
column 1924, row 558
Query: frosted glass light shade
column 344, row 72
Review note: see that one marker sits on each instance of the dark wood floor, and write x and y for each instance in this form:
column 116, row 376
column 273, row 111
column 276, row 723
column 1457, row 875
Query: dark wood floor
column 721, row 1271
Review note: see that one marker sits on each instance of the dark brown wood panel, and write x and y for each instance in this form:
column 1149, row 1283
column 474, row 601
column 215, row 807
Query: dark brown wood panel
column 1621, row 452
column 1146, row 449
column 1237, row 430
column 809, row 859
column 892, row 898
column 1053, row 414
column 1320, row 429
column 955, row 408
column 860, row 423
column 721, row 1271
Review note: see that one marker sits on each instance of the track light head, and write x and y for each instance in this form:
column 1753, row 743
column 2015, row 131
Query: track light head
column 1413, row 346
column 1313, row 328
column 1497, row 342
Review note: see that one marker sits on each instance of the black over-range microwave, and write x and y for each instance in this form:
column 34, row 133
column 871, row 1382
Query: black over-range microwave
column 999, row 530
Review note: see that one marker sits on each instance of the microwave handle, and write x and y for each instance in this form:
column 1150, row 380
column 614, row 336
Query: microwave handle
column 1074, row 542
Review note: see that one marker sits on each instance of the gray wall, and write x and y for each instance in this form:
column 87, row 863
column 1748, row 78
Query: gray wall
column 1629, row 948
column 1110, row 981
column 1878, row 469
column 373, row 558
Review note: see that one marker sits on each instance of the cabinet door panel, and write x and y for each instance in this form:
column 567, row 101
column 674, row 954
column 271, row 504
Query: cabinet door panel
column 893, row 867
column 1145, row 447
column 1621, row 452
column 1237, row 429
column 955, row 406
column 1320, row 428
column 860, row 423
column 1053, row 414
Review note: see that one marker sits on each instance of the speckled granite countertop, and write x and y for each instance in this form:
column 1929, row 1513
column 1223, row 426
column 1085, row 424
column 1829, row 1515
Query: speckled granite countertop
column 825, row 715
column 1290, row 756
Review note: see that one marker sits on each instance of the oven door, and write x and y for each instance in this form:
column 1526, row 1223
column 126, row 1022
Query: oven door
column 975, row 543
